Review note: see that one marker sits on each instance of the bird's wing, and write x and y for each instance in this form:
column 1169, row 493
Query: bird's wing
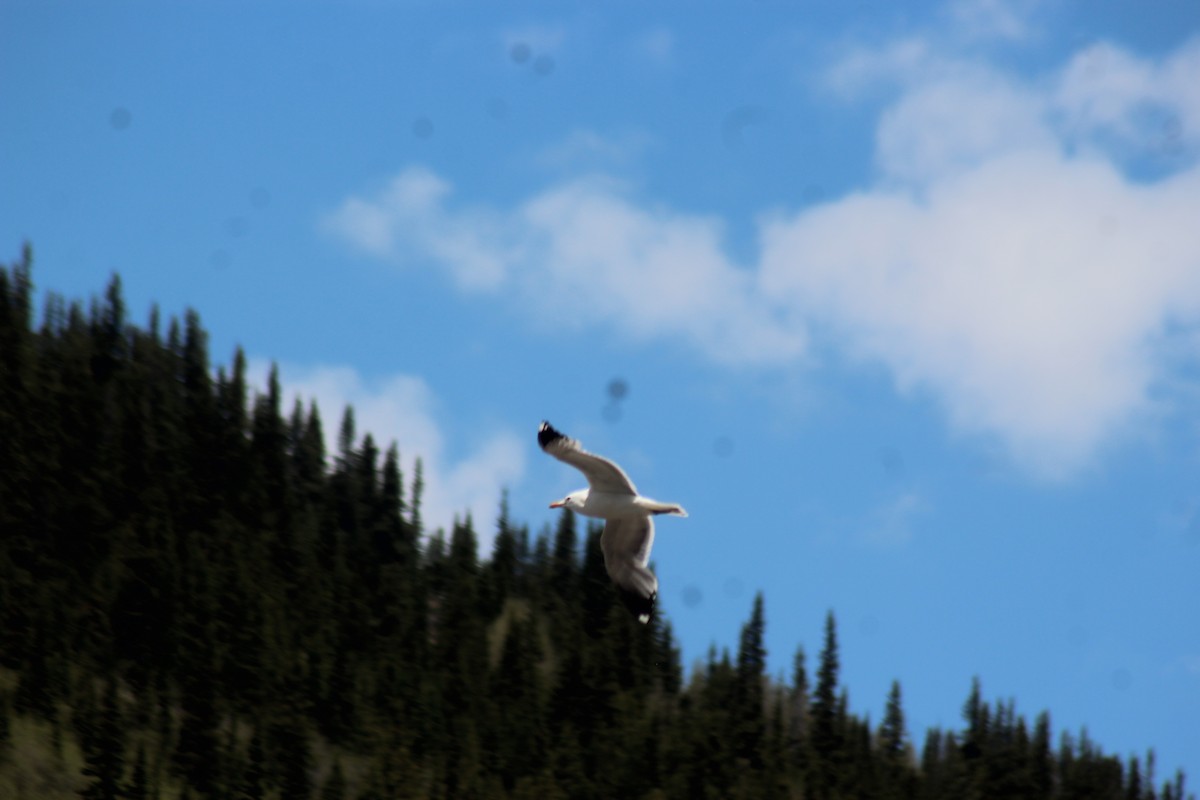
column 626, row 543
column 602, row 474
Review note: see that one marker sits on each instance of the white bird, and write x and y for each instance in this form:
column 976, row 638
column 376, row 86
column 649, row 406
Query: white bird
column 628, row 527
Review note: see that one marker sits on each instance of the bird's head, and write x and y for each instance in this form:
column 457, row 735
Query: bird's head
column 574, row 500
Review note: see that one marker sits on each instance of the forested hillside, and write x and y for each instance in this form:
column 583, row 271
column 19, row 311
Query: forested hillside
column 196, row 600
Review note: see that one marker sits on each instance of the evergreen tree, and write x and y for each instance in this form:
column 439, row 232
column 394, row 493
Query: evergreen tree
column 250, row 784
column 595, row 586
column 418, row 494
column 335, row 786
column 5, row 728
column 292, row 756
column 502, row 572
column 1041, row 764
column 105, row 749
column 897, row 780
column 564, row 564
column 827, row 728
column 748, row 694
column 197, row 754
column 797, row 716
column 893, row 738
column 160, row 536
column 139, row 781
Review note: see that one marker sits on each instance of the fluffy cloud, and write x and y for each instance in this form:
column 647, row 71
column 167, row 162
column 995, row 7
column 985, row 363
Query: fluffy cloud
column 1010, row 261
column 403, row 409
column 1144, row 104
column 1025, row 293
column 973, row 20
column 649, row 272
column 892, row 524
column 1015, row 260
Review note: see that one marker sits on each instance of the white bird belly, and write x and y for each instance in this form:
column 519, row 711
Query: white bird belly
column 606, row 505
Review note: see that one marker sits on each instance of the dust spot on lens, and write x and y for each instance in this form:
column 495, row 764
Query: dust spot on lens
column 812, row 193
column 260, row 197
column 497, row 109
column 543, row 65
column 1191, row 528
column 735, row 123
column 692, row 596
column 120, row 119
column 892, row 461
column 618, row 389
column 422, row 127
column 520, row 52
column 237, row 226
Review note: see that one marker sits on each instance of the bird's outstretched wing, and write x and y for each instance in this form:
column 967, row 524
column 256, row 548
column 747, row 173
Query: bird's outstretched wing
column 626, row 543
column 602, row 475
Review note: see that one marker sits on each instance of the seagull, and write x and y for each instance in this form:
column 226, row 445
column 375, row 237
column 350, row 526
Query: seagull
column 628, row 527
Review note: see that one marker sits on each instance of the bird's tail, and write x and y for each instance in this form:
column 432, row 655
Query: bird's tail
column 655, row 507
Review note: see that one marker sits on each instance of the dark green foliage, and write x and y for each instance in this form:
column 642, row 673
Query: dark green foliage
column 828, row 725
column 335, row 786
column 5, row 728
column 104, row 749
column 750, row 720
column 208, row 607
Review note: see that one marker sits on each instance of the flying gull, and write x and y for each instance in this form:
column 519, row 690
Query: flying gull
column 628, row 527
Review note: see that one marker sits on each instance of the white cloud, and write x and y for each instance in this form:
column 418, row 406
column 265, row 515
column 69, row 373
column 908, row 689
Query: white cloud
column 408, row 217
column 975, row 20
column 945, row 124
column 1141, row 102
column 863, row 68
column 891, row 524
column 538, row 39
column 1010, row 262
column 583, row 252
column 1007, row 263
column 589, row 150
column 656, row 46
column 403, row 409
column 1025, row 293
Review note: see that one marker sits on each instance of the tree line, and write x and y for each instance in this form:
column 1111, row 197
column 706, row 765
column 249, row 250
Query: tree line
column 198, row 601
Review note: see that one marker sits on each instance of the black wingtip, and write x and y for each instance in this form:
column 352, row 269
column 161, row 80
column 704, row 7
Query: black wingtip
column 641, row 607
column 547, row 434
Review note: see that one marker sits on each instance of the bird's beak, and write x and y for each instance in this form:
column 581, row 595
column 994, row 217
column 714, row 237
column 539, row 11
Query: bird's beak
column 558, row 504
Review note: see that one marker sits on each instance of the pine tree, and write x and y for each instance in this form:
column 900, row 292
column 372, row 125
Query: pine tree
column 827, row 733
column 893, row 738
column 105, row 749
column 1041, row 760
column 595, row 586
column 502, row 572
column 292, row 756
column 250, row 784
column 5, row 728
column 564, row 565
column 520, row 729
column 152, row 520
column 139, row 782
column 335, row 786
column 895, row 754
column 418, row 494
column 197, row 754
column 748, row 693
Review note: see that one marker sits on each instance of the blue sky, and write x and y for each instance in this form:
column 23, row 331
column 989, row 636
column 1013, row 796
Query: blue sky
column 906, row 299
